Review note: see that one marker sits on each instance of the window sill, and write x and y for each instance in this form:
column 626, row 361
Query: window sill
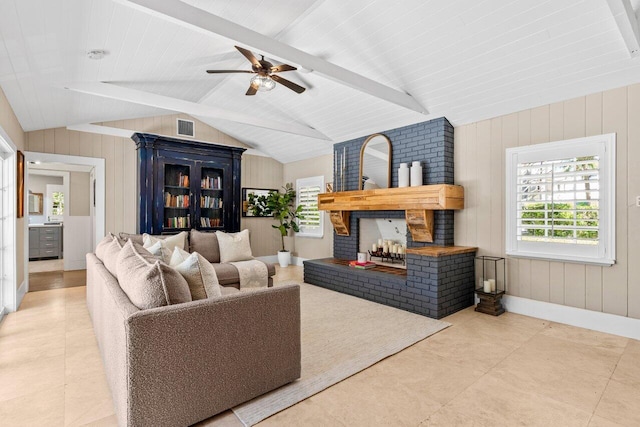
column 604, row 262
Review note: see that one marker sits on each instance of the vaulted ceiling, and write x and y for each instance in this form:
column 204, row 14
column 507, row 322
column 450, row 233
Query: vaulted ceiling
column 462, row 59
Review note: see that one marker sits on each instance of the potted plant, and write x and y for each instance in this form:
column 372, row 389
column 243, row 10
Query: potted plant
column 282, row 206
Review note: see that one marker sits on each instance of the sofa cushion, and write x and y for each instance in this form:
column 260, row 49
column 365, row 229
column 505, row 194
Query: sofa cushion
column 198, row 272
column 227, row 274
column 138, row 238
column 102, row 245
column 162, row 246
column 206, row 244
column 229, row 290
column 234, row 246
column 135, row 238
column 111, row 252
column 149, row 284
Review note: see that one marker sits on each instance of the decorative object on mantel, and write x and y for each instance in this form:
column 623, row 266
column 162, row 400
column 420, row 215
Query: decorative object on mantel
column 491, row 284
column 417, row 202
column 416, row 174
column 403, row 175
column 375, row 163
column 282, row 207
column 328, row 187
column 339, row 167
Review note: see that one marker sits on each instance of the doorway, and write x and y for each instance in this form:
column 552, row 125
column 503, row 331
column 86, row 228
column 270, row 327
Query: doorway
column 8, row 184
column 66, row 217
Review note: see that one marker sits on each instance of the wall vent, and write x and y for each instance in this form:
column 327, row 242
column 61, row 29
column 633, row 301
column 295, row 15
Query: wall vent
column 186, row 128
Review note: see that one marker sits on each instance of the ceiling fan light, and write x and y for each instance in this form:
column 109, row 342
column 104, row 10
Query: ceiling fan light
column 264, row 83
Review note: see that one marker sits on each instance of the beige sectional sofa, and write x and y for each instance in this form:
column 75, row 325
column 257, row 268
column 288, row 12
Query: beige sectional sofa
column 177, row 364
column 206, row 244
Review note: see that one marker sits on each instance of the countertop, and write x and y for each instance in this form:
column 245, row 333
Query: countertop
column 58, row 224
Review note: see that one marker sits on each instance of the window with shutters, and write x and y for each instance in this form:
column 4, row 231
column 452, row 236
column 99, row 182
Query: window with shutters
column 561, row 200
column 307, row 190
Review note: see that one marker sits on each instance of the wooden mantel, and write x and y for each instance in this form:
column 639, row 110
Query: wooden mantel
column 417, row 202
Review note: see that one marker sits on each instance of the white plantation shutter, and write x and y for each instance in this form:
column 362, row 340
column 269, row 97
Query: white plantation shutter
column 307, row 190
column 561, row 200
column 558, row 200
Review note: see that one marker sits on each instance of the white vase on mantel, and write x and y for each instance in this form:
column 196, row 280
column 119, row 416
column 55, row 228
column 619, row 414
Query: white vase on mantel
column 403, row 175
column 416, row 174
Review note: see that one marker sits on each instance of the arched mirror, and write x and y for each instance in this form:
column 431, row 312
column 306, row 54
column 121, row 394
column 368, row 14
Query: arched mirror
column 375, row 162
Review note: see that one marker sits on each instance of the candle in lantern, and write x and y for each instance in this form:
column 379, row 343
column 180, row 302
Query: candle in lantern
column 487, row 286
column 492, row 283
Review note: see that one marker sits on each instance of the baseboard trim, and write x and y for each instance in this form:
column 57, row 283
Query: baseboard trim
column 273, row 259
column 588, row 319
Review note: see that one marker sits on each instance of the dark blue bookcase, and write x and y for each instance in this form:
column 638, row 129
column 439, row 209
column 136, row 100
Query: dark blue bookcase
column 186, row 184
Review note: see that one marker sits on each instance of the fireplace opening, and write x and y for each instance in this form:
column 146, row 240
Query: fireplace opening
column 388, row 233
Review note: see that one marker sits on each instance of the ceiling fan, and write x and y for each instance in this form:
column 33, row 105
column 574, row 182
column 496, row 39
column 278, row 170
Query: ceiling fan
column 265, row 77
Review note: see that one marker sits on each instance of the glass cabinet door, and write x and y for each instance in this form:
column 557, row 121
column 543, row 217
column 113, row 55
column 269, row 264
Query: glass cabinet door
column 176, row 206
column 211, row 198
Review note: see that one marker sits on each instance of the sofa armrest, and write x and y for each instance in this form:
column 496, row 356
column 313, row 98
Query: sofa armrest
column 190, row 361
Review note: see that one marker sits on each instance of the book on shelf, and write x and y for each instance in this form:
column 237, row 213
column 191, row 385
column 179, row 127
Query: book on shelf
column 178, row 222
column 211, row 183
column 210, row 222
column 176, row 201
column 362, row 265
column 210, row 202
column 183, row 180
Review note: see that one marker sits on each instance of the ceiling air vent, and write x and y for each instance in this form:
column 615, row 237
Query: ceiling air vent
column 186, row 128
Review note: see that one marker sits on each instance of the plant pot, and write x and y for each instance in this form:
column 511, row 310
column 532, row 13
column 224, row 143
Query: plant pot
column 284, row 258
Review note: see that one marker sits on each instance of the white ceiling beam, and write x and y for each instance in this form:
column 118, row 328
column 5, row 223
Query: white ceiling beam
column 627, row 23
column 102, row 130
column 203, row 20
column 127, row 133
column 108, row 90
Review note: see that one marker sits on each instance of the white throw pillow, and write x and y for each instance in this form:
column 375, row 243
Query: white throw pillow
column 198, row 272
column 234, row 246
column 163, row 248
column 160, row 251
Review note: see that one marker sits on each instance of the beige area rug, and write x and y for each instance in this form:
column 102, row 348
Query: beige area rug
column 341, row 336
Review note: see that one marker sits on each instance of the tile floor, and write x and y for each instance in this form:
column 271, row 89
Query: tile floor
column 493, row 371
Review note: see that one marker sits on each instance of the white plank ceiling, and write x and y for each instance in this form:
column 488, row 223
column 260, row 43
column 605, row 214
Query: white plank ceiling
column 462, row 59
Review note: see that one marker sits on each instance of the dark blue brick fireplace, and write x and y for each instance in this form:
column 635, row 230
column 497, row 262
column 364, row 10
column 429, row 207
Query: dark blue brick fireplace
column 435, row 286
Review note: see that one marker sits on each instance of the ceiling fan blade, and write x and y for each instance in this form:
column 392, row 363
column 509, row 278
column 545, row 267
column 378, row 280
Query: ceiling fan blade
column 252, row 89
column 282, row 67
column 250, row 56
column 227, row 71
column 291, row 85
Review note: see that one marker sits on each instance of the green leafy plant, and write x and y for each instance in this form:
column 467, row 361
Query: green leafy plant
column 282, row 206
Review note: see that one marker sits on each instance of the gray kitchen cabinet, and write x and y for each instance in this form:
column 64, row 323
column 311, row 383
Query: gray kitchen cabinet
column 45, row 242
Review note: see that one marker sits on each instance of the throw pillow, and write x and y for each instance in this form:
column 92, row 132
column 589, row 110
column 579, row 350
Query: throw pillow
column 111, row 252
column 148, row 283
column 198, row 272
column 234, row 246
column 166, row 243
column 159, row 251
column 102, row 245
column 206, row 244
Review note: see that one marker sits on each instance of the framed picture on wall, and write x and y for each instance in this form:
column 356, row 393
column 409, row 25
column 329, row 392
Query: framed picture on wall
column 257, row 192
column 20, row 184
